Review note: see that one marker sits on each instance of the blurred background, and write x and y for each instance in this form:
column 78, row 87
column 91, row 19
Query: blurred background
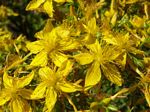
column 17, row 20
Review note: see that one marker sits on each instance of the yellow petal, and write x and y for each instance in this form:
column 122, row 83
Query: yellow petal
column 4, row 96
column 48, row 76
column 110, row 39
column 25, row 93
column 110, row 53
column 91, row 27
column 46, row 73
column 19, row 105
column 48, row 7
column 112, row 73
column 137, row 22
column 68, row 87
column 131, row 1
column 62, row 31
column 48, row 27
column 8, row 80
column 51, row 98
column 114, row 18
column 39, row 91
column 84, row 58
column 35, row 47
column 93, row 75
column 58, row 58
column 69, row 44
column 89, row 39
column 62, row 1
column 40, row 59
column 24, row 81
column 65, row 68
column 95, row 48
column 121, row 59
column 34, row 4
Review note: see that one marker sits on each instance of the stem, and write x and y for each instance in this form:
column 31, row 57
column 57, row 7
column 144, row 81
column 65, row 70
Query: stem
column 146, row 10
column 129, row 30
column 71, row 103
column 18, row 62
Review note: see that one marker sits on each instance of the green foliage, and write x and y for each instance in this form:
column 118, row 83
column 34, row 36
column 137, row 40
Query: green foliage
column 85, row 56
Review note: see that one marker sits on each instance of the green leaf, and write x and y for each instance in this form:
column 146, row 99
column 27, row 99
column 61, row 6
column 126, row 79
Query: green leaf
column 113, row 108
column 138, row 62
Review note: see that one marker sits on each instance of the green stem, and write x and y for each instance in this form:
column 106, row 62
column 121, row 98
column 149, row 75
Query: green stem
column 18, row 62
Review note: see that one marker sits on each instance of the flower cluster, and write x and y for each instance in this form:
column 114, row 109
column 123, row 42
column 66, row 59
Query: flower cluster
column 74, row 56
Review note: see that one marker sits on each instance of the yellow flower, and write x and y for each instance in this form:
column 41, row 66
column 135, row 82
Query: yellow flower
column 137, row 22
column 101, row 59
column 51, row 45
column 119, row 40
column 54, row 82
column 111, row 14
column 15, row 93
column 44, row 5
column 125, row 43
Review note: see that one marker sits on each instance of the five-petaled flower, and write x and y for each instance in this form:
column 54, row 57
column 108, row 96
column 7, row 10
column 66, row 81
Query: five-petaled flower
column 15, row 93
